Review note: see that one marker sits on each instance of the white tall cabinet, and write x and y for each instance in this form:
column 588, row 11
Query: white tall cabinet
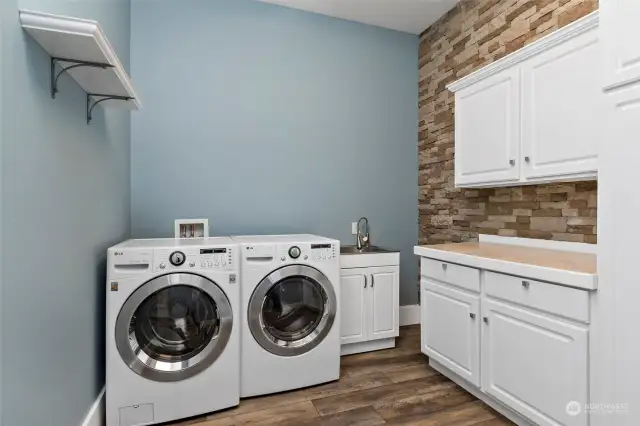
column 616, row 347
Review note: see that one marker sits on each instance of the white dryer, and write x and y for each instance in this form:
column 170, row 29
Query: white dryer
column 172, row 329
column 290, row 313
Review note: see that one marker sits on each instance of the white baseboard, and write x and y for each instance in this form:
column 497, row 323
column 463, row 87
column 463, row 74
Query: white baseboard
column 409, row 315
column 96, row 414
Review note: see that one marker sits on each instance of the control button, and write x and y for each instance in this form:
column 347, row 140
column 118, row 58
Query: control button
column 283, row 258
column 306, row 257
column 210, row 264
column 294, row 252
column 162, row 266
column 177, row 258
column 192, row 264
column 203, row 264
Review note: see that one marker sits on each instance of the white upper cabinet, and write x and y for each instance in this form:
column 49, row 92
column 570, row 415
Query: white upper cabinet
column 533, row 116
column 562, row 108
column 620, row 36
column 487, row 130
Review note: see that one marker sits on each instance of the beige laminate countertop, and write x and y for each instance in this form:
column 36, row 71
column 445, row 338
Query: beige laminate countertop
column 556, row 259
column 570, row 268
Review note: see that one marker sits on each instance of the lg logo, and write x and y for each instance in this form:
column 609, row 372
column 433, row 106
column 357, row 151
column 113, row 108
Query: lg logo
column 118, row 253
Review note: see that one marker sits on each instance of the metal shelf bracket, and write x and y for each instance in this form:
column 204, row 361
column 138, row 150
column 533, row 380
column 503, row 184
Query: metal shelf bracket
column 75, row 64
column 91, row 106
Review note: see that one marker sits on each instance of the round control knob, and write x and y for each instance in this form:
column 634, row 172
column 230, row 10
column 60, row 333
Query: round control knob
column 192, row 264
column 294, row 252
column 162, row 266
column 177, row 258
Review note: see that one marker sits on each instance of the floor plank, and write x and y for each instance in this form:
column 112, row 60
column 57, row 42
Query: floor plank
column 412, row 372
column 365, row 416
column 380, row 395
column 468, row 414
column 300, row 411
column 394, row 386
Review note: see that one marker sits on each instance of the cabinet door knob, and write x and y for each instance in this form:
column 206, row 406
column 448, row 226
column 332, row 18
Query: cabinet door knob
column 525, row 284
column 527, row 159
column 472, row 315
column 512, row 162
column 372, row 281
column 486, row 320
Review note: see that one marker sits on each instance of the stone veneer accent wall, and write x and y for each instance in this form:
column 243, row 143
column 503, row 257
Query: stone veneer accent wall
column 470, row 36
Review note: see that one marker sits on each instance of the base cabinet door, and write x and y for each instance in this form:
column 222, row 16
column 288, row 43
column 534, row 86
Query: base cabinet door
column 561, row 138
column 353, row 309
column 535, row 364
column 451, row 330
column 384, row 296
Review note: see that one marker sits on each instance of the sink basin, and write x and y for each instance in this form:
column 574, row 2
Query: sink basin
column 364, row 250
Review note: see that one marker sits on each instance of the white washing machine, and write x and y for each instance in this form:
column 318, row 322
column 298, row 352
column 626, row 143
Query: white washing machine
column 172, row 330
column 290, row 313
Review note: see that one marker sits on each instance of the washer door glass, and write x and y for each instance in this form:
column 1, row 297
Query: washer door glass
column 176, row 323
column 173, row 327
column 292, row 310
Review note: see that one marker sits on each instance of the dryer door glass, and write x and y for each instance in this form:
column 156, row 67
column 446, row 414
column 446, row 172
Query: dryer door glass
column 173, row 327
column 292, row 310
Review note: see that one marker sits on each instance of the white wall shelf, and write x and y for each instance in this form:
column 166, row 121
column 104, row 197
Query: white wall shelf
column 81, row 49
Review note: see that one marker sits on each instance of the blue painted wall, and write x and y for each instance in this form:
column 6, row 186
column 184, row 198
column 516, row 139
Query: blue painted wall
column 271, row 120
column 65, row 198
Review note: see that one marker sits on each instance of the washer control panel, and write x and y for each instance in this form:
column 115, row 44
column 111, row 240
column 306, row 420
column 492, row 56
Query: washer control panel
column 323, row 251
column 306, row 252
column 193, row 258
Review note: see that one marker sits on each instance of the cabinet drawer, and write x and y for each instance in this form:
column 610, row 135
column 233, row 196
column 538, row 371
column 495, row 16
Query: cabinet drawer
column 556, row 299
column 450, row 273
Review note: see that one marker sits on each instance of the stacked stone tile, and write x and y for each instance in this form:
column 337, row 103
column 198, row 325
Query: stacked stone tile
column 470, row 36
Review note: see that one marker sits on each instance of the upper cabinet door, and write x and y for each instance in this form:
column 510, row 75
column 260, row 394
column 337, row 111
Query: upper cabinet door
column 451, row 331
column 535, row 364
column 353, row 306
column 487, row 130
column 620, row 34
column 385, row 293
column 562, row 109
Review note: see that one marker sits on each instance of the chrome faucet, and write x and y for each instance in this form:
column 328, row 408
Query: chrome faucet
column 362, row 240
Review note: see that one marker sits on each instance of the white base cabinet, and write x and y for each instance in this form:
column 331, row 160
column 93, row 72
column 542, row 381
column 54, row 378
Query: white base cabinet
column 369, row 308
column 510, row 339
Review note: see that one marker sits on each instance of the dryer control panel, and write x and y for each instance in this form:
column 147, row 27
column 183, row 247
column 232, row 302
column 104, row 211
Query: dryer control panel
column 192, row 258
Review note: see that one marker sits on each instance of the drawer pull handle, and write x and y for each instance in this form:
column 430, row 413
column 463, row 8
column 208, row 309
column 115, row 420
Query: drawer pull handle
column 472, row 315
column 365, row 281
column 444, row 266
column 372, row 281
column 486, row 320
column 525, row 284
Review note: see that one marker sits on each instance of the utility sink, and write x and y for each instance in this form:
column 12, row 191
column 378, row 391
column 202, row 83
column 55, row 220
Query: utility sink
column 351, row 257
column 363, row 250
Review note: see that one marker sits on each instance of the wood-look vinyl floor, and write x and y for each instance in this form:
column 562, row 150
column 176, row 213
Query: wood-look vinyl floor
column 388, row 387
